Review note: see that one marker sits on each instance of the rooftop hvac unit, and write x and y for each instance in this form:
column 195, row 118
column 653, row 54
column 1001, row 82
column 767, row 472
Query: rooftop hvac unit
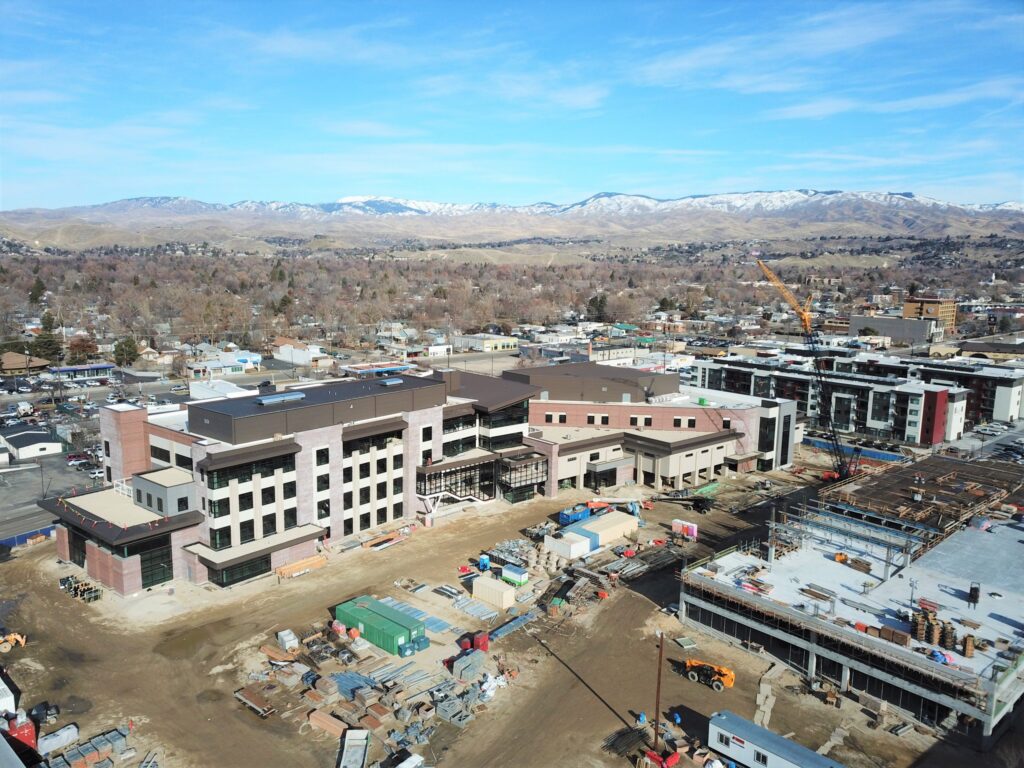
column 392, row 382
column 283, row 397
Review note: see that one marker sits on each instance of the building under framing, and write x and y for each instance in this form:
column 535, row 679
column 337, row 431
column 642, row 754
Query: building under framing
column 905, row 585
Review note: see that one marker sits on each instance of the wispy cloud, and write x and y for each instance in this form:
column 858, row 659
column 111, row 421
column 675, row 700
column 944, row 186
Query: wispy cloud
column 370, row 129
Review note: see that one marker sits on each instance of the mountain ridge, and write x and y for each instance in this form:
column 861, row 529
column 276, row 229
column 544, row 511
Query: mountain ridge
column 764, row 203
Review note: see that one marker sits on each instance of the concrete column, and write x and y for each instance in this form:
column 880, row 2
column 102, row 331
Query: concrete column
column 812, row 658
column 844, row 679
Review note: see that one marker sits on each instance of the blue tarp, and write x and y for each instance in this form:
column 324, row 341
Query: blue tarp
column 867, row 453
column 21, row 538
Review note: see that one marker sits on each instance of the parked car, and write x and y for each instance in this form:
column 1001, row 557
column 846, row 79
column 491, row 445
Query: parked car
column 76, row 462
column 24, row 389
column 96, row 474
column 73, row 456
column 179, row 388
column 12, row 422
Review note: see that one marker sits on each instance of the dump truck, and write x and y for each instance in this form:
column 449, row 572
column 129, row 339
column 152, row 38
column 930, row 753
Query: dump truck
column 716, row 677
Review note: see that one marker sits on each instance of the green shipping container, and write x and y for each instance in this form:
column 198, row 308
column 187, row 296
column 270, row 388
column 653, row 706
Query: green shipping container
column 379, row 631
column 415, row 627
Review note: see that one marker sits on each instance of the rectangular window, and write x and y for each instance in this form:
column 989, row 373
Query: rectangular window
column 591, row 418
column 595, row 456
column 426, row 458
column 183, row 461
column 246, row 531
column 396, row 486
column 604, row 420
column 364, row 521
column 108, row 475
column 364, row 495
column 634, row 421
column 562, row 418
column 289, row 489
column 346, row 501
column 219, row 507
column 396, row 511
column 691, row 423
column 160, row 454
column 149, row 500
column 106, row 448
column 382, row 466
column 382, row 490
column 760, row 758
column 291, row 518
column 159, row 504
column 183, row 504
column 428, row 434
column 382, row 515
column 268, row 495
column 726, row 423
column 677, row 422
column 323, row 509
column 724, row 740
column 323, row 456
column 220, row 538
column 269, row 525
column 244, row 501
column 323, row 482
column 364, row 471
column 549, row 418
column 346, row 475
column 396, row 462
column 138, row 495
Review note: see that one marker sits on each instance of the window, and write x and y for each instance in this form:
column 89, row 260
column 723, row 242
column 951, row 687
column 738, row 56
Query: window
column 291, row 518
column 760, row 758
column 382, row 515
column 677, row 422
column 246, row 531
column 382, row 490
column 149, row 500
column 106, row 448
column 241, row 572
column 159, row 504
column 289, row 489
column 219, row 507
column 323, row 482
column 268, row 495
column 108, row 475
column 604, row 420
column 323, row 509
column 591, row 418
column 691, row 423
column 382, row 466
column 138, row 495
column 269, row 525
column 323, row 456
column 726, row 423
column 724, row 740
column 244, row 501
column 396, row 511
column 347, row 527
column 346, row 475
column 549, row 418
column 426, row 458
column 220, row 538
column 202, row 503
column 183, row 461
column 640, row 421
column 160, row 454
column 364, row 470
column 562, row 418
column 364, row 495
column 183, row 504
column 428, row 434
column 396, row 486
column 364, row 521
column 595, row 456
column 346, row 501
column 396, row 462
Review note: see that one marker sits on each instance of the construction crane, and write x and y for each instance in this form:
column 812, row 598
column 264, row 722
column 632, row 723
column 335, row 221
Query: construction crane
column 842, row 468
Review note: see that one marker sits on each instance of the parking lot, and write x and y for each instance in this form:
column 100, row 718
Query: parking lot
column 22, row 485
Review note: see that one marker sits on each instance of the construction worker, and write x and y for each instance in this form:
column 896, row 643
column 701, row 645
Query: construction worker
column 641, row 720
column 677, row 719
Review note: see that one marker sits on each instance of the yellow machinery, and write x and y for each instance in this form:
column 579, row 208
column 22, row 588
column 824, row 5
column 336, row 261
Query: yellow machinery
column 718, row 678
column 11, row 639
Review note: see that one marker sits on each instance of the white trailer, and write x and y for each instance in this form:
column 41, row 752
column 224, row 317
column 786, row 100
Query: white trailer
column 752, row 746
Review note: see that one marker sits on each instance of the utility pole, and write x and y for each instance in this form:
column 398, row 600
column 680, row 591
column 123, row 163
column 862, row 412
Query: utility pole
column 657, row 694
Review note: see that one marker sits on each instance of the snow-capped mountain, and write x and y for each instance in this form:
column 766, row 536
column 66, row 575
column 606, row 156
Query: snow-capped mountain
column 797, row 202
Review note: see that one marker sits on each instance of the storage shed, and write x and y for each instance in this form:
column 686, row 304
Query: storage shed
column 494, row 592
column 568, row 545
column 612, row 526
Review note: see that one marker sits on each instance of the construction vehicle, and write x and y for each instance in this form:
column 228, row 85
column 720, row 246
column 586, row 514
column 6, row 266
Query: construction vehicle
column 716, row 677
column 842, row 468
column 10, row 639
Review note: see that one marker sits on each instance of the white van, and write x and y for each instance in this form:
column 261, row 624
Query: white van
column 25, row 409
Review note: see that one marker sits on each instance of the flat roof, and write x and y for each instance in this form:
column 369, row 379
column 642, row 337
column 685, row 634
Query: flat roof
column 222, row 558
column 943, row 576
column 116, row 508
column 168, row 477
column 323, row 394
column 780, row 746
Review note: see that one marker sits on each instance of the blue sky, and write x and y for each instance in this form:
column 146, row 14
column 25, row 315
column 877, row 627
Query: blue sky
column 507, row 102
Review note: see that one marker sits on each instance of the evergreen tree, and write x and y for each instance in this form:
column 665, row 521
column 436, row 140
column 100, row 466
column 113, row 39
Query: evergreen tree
column 126, row 352
column 38, row 289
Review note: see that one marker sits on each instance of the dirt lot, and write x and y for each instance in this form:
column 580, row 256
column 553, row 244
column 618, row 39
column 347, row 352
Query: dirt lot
column 170, row 659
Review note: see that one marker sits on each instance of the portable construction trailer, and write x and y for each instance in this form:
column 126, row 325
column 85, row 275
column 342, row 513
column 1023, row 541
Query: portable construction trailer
column 415, row 627
column 381, row 632
column 611, row 526
column 748, row 744
column 513, row 574
column 494, row 592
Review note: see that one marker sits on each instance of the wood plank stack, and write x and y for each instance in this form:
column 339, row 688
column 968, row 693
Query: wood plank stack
column 859, row 564
column 948, row 639
column 301, row 566
column 327, row 722
column 968, row 646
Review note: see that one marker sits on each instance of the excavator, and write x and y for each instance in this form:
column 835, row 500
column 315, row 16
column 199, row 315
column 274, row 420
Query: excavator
column 718, row 678
column 10, row 639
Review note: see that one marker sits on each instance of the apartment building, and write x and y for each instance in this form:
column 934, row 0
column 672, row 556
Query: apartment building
column 880, row 404
column 227, row 489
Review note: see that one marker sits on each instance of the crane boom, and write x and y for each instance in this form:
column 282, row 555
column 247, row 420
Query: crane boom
column 843, row 468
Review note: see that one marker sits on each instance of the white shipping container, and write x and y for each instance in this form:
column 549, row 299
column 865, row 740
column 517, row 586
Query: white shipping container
column 570, row 545
column 494, row 592
column 612, row 526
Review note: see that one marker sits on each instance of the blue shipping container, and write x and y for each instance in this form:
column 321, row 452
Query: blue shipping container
column 573, row 514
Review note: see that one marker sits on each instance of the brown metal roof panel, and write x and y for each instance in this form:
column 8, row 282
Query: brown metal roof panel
column 221, row 459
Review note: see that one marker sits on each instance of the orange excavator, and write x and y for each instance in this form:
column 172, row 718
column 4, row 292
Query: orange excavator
column 10, row 639
column 718, row 678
